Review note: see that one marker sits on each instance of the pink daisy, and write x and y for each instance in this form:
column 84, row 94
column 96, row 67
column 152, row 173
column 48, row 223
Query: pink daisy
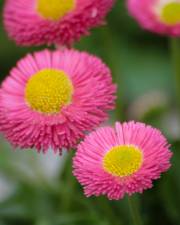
column 51, row 98
column 121, row 160
column 160, row 16
column 37, row 22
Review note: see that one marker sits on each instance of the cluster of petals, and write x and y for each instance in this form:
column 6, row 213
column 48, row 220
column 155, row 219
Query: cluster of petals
column 159, row 16
column 88, row 161
column 27, row 27
column 93, row 96
column 110, row 161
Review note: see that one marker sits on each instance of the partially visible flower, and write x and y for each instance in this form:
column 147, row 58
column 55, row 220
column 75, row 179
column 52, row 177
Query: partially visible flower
column 7, row 188
column 151, row 102
column 160, row 16
column 52, row 98
column 61, row 22
column 120, row 160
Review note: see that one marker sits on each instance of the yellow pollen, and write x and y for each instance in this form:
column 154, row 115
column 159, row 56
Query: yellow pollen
column 171, row 13
column 48, row 91
column 123, row 160
column 54, row 9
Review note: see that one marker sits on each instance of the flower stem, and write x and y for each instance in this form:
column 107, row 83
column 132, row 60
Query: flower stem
column 175, row 54
column 69, row 183
column 113, row 56
column 134, row 210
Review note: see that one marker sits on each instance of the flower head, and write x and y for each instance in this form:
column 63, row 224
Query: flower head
column 61, row 22
column 52, row 98
column 160, row 16
column 121, row 160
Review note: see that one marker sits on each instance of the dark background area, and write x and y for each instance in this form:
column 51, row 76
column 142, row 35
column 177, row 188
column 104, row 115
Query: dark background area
column 38, row 189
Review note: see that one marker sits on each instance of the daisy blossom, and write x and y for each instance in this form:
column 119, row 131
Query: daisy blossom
column 121, row 160
column 61, row 22
column 50, row 99
column 160, row 16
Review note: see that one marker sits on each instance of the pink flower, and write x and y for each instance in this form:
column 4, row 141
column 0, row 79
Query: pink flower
column 160, row 16
column 51, row 98
column 61, row 22
column 120, row 160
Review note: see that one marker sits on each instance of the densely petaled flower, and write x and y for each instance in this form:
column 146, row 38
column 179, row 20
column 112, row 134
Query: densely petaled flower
column 161, row 16
column 120, row 160
column 51, row 98
column 37, row 22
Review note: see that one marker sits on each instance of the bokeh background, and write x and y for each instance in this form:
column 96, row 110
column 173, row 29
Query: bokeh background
column 37, row 189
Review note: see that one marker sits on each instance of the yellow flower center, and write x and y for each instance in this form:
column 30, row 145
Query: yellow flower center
column 48, row 91
column 54, row 9
column 171, row 13
column 122, row 160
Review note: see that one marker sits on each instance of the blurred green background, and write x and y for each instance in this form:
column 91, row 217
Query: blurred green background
column 38, row 189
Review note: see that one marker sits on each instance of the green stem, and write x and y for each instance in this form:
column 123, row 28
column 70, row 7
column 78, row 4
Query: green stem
column 134, row 210
column 69, row 183
column 113, row 56
column 175, row 54
column 108, row 211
